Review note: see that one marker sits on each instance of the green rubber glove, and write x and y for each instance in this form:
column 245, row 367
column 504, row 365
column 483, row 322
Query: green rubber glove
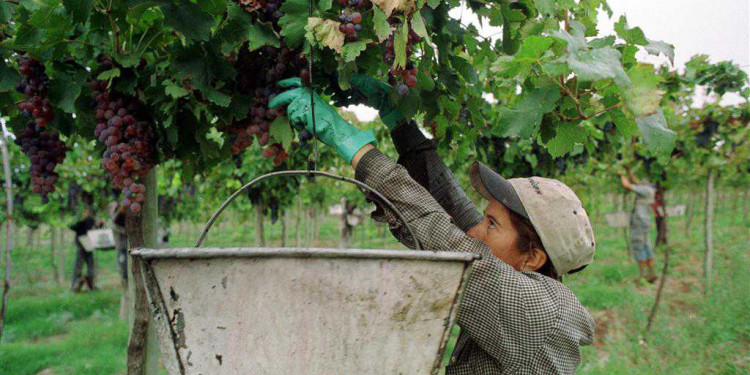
column 330, row 128
column 376, row 92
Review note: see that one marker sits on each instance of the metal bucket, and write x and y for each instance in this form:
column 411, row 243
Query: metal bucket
column 270, row 311
column 284, row 311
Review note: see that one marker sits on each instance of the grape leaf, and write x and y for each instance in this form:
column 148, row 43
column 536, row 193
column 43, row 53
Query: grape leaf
column 204, row 70
column 49, row 16
column 27, row 38
column 388, row 6
column 417, row 24
column 281, row 131
column 656, row 135
column 380, row 24
column 656, row 47
column 525, row 118
column 566, row 137
column 6, row 12
column 9, row 78
column 433, row 3
column 399, row 46
column 601, row 63
column 79, row 9
column 532, row 49
column 631, row 36
column 345, row 73
column 545, row 7
column 171, row 89
column 214, row 7
column 259, row 35
column 218, row 97
column 350, row 51
column 464, row 68
column 240, row 106
column 643, row 96
column 108, row 74
column 325, row 33
column 293, row 22
column 607, row 41
column 624, row 124
column 575, row 41
column 324, row 5
column 425, row 81
column 188, row 19
column 66, row 87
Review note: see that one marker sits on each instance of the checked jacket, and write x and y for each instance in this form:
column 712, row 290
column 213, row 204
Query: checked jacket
column 511, row 322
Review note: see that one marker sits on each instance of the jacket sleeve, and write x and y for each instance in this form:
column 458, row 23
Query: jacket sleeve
column 506, row 312
column 418, row 155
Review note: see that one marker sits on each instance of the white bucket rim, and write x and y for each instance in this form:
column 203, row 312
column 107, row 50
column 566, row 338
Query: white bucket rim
column 264, row 252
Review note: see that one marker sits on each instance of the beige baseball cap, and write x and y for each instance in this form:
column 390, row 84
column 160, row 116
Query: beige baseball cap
column 553, row 209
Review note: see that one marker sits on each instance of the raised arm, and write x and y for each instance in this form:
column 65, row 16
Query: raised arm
column 625, row 182
column 420, row 158
column 635, row 180
column 418, row 154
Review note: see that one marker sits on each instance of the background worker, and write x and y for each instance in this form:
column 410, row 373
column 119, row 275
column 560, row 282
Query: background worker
column 514, row 319
column 81, row 228
column 640, row 223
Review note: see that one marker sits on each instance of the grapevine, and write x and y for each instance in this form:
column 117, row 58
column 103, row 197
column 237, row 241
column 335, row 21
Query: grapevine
column 257, row 74
column 130, row 142
column 43, row 146
column 405, row 77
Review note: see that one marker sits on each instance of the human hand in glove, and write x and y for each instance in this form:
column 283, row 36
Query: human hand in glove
column 330, row 128
column 376, row 93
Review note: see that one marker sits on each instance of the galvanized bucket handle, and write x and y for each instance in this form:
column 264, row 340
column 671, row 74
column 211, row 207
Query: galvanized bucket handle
column 232, row 197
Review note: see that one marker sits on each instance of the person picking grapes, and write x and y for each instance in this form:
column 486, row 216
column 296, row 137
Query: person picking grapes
column 640, row 223
column 515, row 316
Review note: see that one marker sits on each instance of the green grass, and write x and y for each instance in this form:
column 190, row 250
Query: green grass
column 50, row 328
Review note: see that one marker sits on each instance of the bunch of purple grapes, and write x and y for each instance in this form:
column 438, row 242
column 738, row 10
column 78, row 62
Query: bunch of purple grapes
column 46, row 151
column 257, row 74
column 34, row 86
column 406, row 77
column 130, row 142
column 43, row 147
column 351, row 18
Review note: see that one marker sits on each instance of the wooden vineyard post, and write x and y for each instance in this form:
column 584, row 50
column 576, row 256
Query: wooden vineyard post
column 284, row 217
column 661, row 220
column 744, row 205
column 689, row 214
column 61, row 250
column 297, row 222
column 709, row 221
column 141, row 230
column 260, row 240
column 8, row 228
column 53, row 254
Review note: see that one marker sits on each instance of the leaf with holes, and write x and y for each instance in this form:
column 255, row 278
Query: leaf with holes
column 325, row 33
